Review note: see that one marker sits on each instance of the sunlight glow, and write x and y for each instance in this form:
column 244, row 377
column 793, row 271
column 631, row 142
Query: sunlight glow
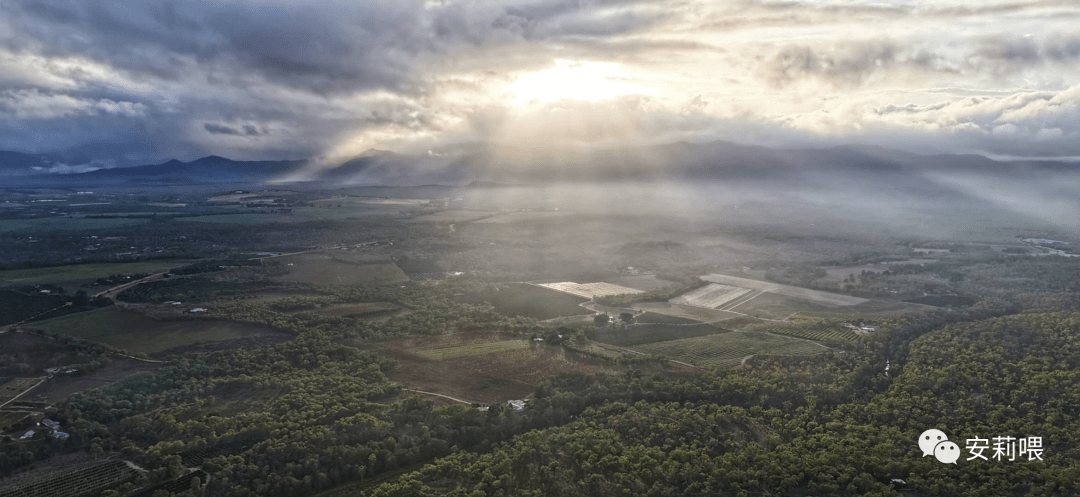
column 575, row 80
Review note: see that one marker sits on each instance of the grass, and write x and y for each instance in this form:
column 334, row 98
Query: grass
column 8, row 418
column 136, row 333
column 727, row 350
column 64, row 223
column 655, row 318
column 244, row 218
column 648, row 333
column 81, row 272
column 474, row 349
column 15, row 387
column 320, row 269
column 529, row 301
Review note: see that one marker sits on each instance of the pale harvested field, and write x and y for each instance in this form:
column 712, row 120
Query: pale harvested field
column 589, row 290
column 790, row 291
column 712, row 296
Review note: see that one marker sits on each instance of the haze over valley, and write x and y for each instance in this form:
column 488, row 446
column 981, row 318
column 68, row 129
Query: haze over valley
column 553, row 248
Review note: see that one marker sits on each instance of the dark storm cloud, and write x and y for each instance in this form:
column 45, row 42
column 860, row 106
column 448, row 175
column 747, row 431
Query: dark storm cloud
column 353, row 46
column 221, row 129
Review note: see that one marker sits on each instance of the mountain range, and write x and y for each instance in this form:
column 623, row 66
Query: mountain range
column 462, row 164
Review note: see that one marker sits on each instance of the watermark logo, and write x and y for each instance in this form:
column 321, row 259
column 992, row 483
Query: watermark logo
column 935, row 443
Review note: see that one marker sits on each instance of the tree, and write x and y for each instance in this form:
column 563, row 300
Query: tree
column 626, row 317
column 601, row 319
column 80, row 298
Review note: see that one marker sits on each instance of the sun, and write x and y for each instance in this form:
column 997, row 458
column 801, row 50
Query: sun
column 574, row 80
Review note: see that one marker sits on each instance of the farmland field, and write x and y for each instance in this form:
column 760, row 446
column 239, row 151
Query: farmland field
column 643, row 282
column 82, row 272
column 352, row 200
column 453, row 216
column 639, row 334
column 519, row 299
column 518, row 217
column 64, row 223
column 59, row 387
column 321, row 269
column 770, row 305
column 657, row 318
column 252, row 218
column 712, row 296
column 816, row 296
column 685, row 311
column 827, row 330
column 493, row 377
column 589, row 290
column 136, row 333
column 82, row 480
column 8, row 418
column 727, row 350
column 473, row 349
column 15, row 387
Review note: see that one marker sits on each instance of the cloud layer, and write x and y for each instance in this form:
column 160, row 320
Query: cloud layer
column 284, row 79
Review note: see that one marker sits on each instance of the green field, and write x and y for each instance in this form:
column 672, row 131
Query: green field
column 727, row 350
column 82, row 272
column 136, row 333
column 639, row 334
column 64, row 223
column 474, row 349
column 656, row 318
column 321, row 269
column 519, row 299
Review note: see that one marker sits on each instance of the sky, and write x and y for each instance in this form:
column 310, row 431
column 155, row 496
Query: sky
column 330, row 79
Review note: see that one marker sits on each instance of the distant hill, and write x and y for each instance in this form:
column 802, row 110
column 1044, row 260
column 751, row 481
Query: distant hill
column 485, row 164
